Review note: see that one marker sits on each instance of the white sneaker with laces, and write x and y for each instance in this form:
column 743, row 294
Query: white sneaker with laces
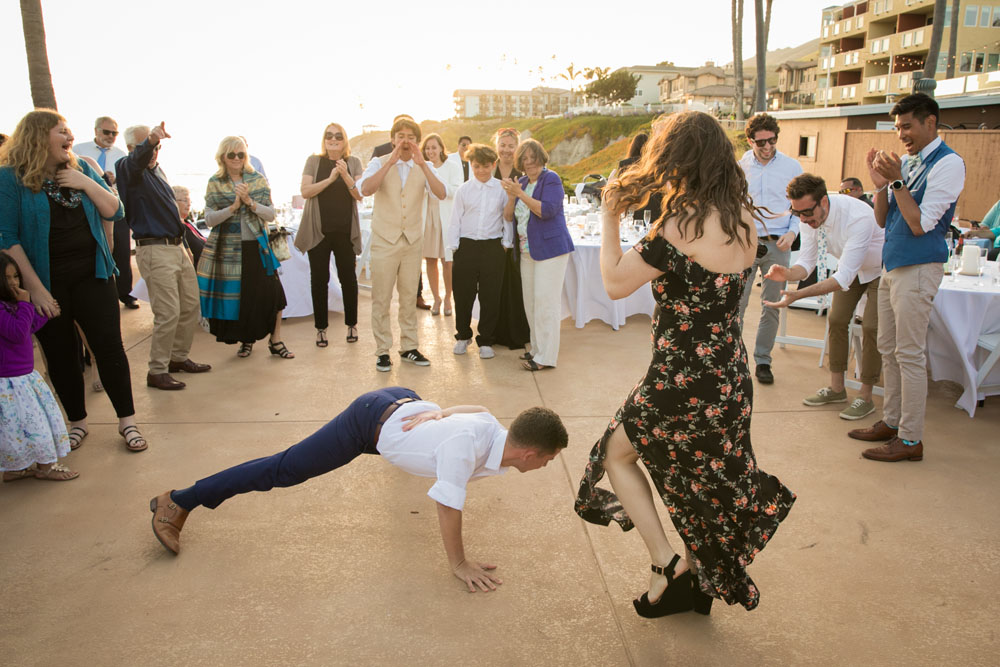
column 461, row 346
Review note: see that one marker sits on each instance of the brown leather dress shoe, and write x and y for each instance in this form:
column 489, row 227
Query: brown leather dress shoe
column 874, row 433
column 168, row 519
column 188, row 366
column 422, row 305
column 163, row 381
column 895, row 450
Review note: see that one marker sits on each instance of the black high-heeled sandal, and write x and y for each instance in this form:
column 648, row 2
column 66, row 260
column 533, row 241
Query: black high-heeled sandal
column 279, row 349
column 702, row 601
column 352, row 334
column 245, row 350
column 321, row 340
column 679, row 596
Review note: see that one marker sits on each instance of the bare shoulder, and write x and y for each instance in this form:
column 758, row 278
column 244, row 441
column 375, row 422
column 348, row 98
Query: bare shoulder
column 713, row 249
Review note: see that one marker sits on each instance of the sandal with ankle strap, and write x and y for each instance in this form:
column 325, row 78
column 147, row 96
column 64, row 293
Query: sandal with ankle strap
column 677, row 598
column 56, row 473
column 76, row 435
column 352, row 334
column 321, row 340
column 134, row 442
column 14, row 475
column 280, row 350
column 245, row 350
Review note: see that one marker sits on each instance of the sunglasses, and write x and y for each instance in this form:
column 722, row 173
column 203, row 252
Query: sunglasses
column 235, row 156
column 110, row 133
column 339, row 136
column 845, row 191
column 806, row 212
column 763, row 142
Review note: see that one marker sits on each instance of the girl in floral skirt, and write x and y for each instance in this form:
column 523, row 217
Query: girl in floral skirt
column 32, row 431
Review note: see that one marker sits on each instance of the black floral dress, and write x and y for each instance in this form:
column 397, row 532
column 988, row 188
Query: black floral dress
column 688, row 419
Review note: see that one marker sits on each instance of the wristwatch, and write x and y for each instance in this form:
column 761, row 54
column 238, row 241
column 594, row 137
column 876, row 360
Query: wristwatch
column 896, row 185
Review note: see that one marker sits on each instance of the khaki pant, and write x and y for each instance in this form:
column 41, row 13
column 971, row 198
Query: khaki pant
column 173, row 297
column 905, row 298
column 542, row 287
column 395, row 264
column 841, row 315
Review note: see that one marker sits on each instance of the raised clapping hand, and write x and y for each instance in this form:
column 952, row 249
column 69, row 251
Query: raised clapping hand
column 157, row 133
column 883, row 167
column 411, row 421
column 243, row 192
column 340, row 169
column 477, row 574
column 512, row 188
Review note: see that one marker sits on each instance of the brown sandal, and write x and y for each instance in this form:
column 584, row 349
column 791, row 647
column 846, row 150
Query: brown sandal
column 14, row 475
column 57, row 473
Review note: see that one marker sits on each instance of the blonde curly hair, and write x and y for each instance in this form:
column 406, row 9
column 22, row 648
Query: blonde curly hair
column 27, row 149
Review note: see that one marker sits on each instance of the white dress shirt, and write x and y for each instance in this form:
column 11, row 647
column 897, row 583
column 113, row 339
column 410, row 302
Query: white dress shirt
column 455, row 450
column 404, row 169
column 477, row 214
column 92, row 150
column 852, row 235
column 766, row 185
column 945, row 182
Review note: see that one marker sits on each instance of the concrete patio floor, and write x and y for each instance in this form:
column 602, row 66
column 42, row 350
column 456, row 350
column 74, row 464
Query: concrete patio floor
column 879, row 564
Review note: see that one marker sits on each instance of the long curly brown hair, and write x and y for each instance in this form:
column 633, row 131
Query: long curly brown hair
column 27, row 149
column 690, row 161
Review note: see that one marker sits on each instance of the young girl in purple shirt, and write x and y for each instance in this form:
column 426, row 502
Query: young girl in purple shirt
column 32, row 431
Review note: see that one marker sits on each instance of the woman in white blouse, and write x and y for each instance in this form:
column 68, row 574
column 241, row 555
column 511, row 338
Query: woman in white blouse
column 436, row 219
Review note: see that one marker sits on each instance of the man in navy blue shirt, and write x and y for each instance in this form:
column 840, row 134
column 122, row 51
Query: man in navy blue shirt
column 169, row 275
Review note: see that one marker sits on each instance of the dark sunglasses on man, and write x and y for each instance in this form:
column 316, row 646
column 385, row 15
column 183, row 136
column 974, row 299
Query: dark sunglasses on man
column 763, row 142
column 845, row 191
column 339, row 136
column 235, row 156
column 110, row 133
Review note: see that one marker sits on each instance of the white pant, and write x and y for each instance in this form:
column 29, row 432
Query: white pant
column 542, row 286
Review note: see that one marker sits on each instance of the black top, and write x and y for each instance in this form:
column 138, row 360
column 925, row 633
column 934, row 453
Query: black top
column 336, row 205
column 72, row 246
column 514, row 173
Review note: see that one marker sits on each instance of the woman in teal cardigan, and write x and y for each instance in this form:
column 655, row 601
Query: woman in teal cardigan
column 56, row 218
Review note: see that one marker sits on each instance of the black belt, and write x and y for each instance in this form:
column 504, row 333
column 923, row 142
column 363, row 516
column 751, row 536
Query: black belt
column 388, row 413
column 174, row 241
column 772, row 237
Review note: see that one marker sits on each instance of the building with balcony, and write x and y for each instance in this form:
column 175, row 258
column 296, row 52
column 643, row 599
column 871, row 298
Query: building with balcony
column 796, row 87
column 535, row 103
column 709, row 85
column 869, row 49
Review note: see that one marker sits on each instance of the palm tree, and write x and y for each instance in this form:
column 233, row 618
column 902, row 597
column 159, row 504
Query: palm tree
column 738, row 57
column 937, row 28
column 760, row 99
column 42, row 93
column 952, row 40
column 571, row 75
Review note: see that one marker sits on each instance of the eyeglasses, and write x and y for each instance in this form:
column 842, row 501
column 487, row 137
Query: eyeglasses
column 804, row 213
column 845, row 191
column 339, row 136
column 763, row 142
column 235, row 156
column 110, row 133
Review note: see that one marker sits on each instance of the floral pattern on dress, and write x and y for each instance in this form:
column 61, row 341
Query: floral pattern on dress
column 688, row 419
column 32, row 429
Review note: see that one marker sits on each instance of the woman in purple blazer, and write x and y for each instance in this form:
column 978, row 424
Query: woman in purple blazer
column 535, row 204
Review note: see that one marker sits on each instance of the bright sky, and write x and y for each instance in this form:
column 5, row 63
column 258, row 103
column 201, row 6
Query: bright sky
column 277, row 71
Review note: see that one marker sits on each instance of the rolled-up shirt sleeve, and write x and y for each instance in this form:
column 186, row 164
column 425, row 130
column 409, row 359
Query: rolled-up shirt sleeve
column 944, row 183
column 859, row 237
column 456, row 463
column 374, row 165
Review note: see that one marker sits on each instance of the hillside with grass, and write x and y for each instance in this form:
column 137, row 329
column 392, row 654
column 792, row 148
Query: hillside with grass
column 577, row 146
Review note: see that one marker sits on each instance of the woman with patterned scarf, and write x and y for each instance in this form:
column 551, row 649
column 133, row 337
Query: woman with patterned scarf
column 241, row 295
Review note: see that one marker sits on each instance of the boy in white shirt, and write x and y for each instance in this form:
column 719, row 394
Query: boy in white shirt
column 455, row 446
column 477, row 235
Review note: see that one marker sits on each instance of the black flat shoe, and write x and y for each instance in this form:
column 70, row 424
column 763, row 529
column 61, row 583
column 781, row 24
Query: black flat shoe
column 679, row 596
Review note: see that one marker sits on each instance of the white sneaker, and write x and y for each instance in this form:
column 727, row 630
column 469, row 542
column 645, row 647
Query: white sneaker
column 486, row 352
column 461, row 346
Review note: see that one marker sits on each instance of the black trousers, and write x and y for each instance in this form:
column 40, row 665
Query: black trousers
column 346, row 437
column 123, row 259
column 92, row 303
column 478, row 269
column 339, row 245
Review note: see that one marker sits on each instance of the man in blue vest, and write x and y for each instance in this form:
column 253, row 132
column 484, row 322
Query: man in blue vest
column 914, row 201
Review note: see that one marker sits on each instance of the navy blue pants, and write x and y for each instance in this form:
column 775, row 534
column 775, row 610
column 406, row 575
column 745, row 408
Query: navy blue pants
column 343, row 439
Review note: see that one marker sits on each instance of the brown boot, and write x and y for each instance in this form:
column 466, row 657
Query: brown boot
column 895, row 450
column 874, row 433
column 168, row 519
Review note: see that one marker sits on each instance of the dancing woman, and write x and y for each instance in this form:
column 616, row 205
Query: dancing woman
column 688, row 418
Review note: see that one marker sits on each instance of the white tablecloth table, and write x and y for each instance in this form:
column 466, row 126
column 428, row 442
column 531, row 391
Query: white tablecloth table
column 962, row 312
column 584, row 296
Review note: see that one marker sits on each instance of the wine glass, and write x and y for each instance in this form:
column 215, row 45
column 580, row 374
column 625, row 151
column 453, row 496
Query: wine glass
column 982, row 268
column 647, row 217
